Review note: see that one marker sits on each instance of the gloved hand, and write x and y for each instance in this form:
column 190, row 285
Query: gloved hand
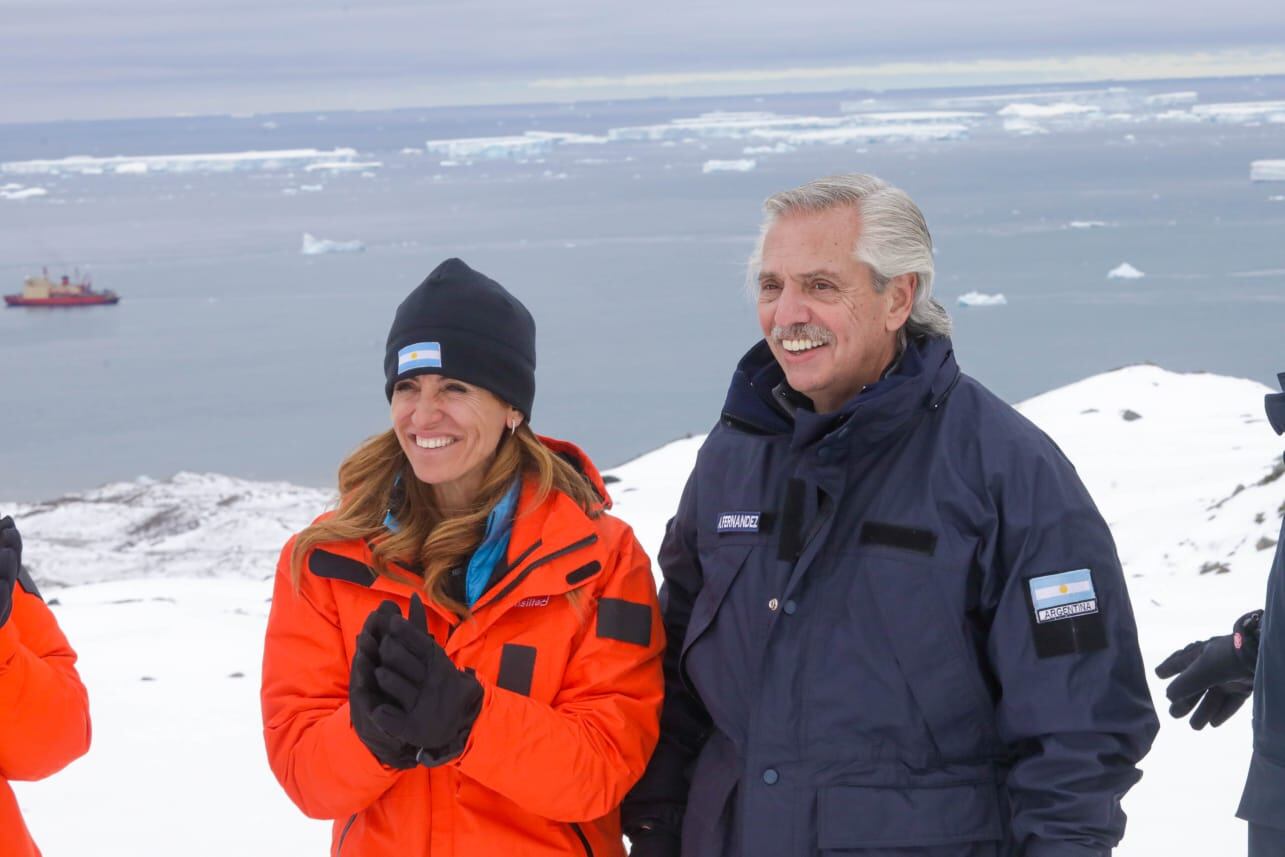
column 1220, row 669
column 432, row 704
column 364, row 695
column 10, row 563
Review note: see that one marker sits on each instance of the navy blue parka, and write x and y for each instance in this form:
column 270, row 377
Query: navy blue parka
column 1263, row 801
column 864, row 654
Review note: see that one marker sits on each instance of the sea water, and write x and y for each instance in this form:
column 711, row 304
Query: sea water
column 625, row 230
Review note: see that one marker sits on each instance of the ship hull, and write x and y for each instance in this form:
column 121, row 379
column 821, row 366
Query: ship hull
column 77, row 300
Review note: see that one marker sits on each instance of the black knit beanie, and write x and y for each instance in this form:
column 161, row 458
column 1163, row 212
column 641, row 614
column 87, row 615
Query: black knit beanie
column 464, row 325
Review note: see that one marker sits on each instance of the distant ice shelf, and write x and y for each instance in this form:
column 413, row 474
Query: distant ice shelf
column 206, row 162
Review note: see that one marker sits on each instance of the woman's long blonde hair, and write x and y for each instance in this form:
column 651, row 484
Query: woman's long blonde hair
column 377, row 479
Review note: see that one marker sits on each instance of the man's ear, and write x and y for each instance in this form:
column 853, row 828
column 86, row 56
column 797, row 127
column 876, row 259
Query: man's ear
column 900, row 295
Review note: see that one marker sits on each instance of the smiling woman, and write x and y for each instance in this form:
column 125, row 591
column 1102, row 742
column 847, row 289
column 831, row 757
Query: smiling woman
column 410, row 692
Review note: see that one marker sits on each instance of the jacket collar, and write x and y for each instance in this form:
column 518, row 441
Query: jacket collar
column 920, row 381
column 550, row 540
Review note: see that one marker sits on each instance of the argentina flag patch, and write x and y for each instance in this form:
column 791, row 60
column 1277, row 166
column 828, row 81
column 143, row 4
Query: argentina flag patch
column 1066, row 616
column 419, row 355
column 1063, row 596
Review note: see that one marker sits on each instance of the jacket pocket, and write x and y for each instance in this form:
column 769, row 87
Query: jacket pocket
column 933, row 653
column 959, row 819
column 720, row 566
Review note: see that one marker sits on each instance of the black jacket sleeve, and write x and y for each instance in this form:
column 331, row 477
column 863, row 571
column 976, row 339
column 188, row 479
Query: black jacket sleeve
column 1074, row 706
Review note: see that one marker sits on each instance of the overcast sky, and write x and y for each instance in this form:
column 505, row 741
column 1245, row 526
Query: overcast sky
column 62, row 59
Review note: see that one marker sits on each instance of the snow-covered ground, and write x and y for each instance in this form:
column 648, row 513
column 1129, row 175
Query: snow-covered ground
column 163, row 587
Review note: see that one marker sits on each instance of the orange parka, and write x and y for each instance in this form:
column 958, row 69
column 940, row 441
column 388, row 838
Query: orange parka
column 44, row 710
column 567, row 648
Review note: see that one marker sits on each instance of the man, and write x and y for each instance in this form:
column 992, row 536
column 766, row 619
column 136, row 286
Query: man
column 44, row 712
column 896, row 621
column 1216, row 676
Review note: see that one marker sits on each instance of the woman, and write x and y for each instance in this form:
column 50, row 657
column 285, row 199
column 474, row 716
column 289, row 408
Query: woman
column 44, row 710
column 463, row 658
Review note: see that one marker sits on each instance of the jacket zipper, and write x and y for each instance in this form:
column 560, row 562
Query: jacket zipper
column 344, row 834
column 584, row 840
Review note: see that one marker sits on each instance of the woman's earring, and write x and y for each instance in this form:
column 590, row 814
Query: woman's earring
column 513, row 426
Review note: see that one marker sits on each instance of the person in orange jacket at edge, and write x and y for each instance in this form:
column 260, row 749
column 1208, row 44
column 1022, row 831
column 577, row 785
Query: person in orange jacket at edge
column 44, row 710
column 464, row 657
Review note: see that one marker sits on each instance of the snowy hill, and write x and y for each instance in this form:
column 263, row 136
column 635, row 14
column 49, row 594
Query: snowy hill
column 163, row 587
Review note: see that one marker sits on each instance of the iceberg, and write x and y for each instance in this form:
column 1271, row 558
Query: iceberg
column 1124, row 271
column 1267, row 171
column 1024, row 127
column 1086, row 224
column 803, row 130
column 981, row 299
column 1025, row 110
column 343, row 166
column 318, row 246
column 1168, row 98
column 743, row 165
column 1242, row 111
column 20, row 192
column 209, row 162
column 868, row 134
column 519, row 147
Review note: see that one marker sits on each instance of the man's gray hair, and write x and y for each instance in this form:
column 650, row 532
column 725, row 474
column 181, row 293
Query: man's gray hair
column 894, row 238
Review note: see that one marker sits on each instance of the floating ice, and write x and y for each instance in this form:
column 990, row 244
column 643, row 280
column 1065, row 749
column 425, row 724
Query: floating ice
column 1025, row 127
column 981, row 299
column 802, row 130
column 1267, row 171
column 1086, row 224
column 1024, row 110
column 1242, row 111
column 520, row 147
column 211, row 162
column 20, row 192
column 343, row 166
column 742, row 165
column 1125, row 271
column 318, row 246
column 777, row 149
column 1173, row 97
column 866, row 134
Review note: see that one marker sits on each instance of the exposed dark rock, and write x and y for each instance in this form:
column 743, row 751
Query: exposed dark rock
column 1264, row 543
column 1215, row 568
column 1129, row 416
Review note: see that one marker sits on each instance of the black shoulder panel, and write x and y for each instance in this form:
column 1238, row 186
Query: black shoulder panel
column 28, row 585
column 335, row 567
column 626, row 621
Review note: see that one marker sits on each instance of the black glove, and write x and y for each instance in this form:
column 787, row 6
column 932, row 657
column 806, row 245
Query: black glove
column 364, row 695
column 1220, row 669
column 432, row 704
column 10, row 563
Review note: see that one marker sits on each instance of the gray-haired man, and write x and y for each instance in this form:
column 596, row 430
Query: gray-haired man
column 897, row 623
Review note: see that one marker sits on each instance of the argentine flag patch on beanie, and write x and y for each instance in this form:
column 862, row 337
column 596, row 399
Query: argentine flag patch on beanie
column 420, row 355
